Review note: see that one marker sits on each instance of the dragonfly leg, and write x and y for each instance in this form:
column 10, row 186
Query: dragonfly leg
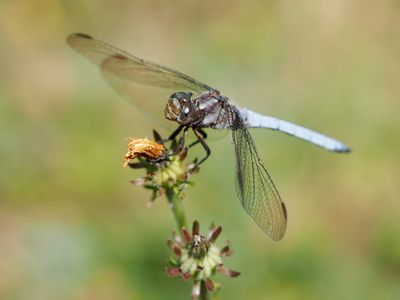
column 172, row 139
column 181, row 142
column 201, row 138
column 204, row 135
column 157, row 137
column 175, row 133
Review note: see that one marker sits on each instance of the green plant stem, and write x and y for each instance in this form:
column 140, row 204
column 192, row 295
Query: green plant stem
column 176, row 205
column 203, row 291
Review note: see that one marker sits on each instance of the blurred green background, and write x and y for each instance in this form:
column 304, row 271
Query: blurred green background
column 73, row 227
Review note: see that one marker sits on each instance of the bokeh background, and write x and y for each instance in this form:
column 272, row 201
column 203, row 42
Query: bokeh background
column 73, row 227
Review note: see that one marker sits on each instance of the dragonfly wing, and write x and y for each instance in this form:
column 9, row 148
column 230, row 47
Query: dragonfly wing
column 137, row 80
column 254, row 186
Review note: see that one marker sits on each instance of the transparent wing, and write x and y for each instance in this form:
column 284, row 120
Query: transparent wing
column 254, row 186
column 145, row 84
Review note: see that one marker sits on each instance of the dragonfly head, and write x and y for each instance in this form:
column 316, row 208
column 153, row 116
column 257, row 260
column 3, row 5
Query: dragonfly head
column 180, row 108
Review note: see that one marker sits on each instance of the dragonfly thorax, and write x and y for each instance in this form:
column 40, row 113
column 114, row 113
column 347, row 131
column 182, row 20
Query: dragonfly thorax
column 180, row 108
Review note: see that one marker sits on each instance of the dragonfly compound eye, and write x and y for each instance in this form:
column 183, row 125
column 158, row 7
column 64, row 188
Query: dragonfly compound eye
column 177, row 107
column 187, row 113
column 173, row 108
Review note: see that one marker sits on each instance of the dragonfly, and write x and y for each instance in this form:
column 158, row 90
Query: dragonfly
column 194, row 105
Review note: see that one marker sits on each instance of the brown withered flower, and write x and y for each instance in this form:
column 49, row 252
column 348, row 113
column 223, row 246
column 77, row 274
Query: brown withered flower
column 145, row 148
column 165, row 168
column 197, row 257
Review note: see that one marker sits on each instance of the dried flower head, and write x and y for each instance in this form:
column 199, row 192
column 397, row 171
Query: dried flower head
column 146, row 148
column 198, row 257
column 165, row 168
